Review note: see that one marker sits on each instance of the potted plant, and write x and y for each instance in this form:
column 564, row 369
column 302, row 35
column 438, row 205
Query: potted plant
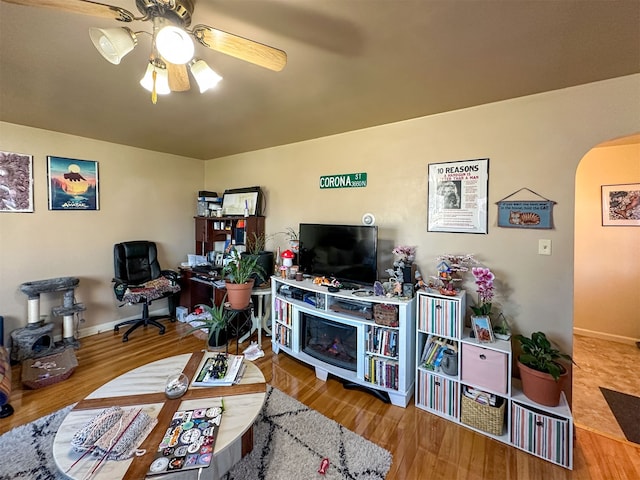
column 239, row 272
column 256, row 246
column 214, row 320
column 294, row 241
column 501, row 329
column 541, row 372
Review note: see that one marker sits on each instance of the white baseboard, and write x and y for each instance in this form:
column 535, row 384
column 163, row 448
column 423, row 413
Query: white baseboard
column 605, row 336
column 108, row 327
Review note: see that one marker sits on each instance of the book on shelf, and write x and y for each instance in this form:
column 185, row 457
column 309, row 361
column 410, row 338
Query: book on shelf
column 433, row 351
column 220, row 371
column 189, row 441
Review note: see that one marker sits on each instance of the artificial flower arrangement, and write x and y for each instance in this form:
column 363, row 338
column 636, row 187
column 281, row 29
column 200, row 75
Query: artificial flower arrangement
column 407, row 254
column 451, row 270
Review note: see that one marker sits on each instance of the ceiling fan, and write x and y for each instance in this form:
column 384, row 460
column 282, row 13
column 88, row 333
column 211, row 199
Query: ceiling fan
column 172, row 49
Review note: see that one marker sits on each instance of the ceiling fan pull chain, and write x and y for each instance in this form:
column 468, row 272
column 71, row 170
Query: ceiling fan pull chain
column 154, row 94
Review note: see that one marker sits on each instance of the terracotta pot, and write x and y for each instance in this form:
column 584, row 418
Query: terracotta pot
column 239, row 294
column 541, row 387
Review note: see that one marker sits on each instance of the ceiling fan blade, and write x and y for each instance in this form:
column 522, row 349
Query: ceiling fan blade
column 84, row 7
column 242, row 48
column 178, row 77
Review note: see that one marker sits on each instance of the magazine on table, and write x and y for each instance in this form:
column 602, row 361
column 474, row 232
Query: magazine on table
column 221, row 370
column 189, row 441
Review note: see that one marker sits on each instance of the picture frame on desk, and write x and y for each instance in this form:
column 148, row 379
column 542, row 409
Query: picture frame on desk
column 482, row 329
column 241, row 201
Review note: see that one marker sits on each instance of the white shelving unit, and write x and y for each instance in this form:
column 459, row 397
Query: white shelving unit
column 546, row 432
column 386, row 354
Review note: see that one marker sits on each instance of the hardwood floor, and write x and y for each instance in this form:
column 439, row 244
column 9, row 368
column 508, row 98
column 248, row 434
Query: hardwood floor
column 601, row 363
column 424, row 446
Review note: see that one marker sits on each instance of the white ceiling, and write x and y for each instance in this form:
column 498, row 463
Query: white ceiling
column 351, row 64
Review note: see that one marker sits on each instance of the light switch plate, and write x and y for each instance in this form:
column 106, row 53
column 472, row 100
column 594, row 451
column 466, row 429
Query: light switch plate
column 544, row 247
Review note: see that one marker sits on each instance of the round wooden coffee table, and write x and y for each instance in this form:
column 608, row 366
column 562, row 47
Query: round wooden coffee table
column 143, row 388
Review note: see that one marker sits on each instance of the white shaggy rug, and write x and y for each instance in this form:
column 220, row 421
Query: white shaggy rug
column 290, row 442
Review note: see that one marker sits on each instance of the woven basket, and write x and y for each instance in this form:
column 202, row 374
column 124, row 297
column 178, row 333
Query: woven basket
column 386, row 315
column 483, row 417
column 60, row 367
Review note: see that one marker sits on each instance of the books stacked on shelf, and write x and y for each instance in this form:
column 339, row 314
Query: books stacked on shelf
column 433, row 352
column 382, row 372
column 283, row 335
column 283, row 311
column 221, row 370
column 209, row 203
column 382, row 341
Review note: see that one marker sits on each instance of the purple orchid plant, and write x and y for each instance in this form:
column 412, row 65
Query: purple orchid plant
column 484, row 287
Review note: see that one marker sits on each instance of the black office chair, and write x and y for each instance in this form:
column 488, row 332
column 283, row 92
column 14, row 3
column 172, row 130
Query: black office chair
column 139, row 279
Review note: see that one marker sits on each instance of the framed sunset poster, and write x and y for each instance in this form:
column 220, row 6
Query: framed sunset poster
column 73, row 184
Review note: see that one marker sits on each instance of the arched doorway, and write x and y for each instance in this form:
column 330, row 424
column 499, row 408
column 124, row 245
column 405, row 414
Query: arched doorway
column 606, row 285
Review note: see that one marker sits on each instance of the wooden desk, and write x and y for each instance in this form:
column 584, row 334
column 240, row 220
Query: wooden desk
column 197, row 288
column 144, row 387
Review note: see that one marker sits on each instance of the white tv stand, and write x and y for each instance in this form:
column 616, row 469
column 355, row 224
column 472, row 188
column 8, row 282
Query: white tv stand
column 385, row 360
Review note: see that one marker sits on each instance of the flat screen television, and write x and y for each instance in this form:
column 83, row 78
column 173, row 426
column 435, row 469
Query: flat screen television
column 347, row 252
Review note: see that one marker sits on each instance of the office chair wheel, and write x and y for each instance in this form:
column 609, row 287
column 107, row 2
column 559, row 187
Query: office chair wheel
column 125, row 338
column 161, row 331
column 116, row 329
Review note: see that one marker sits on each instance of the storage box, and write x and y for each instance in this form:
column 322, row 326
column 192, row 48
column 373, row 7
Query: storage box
column 484, row 417
column 438, row 393
column 484, row 368
column 181, row 314
column 386, row 315
column 541, row 433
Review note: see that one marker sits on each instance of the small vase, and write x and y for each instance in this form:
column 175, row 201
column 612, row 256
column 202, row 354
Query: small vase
column 409, row 273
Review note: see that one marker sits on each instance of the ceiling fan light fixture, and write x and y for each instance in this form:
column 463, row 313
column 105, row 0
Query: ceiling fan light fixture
column 113, row 43
column 175, row 45
column 162, row 79
column 205, row 76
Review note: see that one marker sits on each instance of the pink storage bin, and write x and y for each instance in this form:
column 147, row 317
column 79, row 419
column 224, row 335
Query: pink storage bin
column 484, row 368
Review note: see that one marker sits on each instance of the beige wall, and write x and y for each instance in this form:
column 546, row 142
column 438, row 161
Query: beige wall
column 535, row 142
column 607, row 259
column 144, row 195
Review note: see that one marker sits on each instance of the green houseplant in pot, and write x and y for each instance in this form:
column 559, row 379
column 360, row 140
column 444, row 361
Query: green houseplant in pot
column 211, row 324
column 256, row 246
column 541, row 371
column 239, row 278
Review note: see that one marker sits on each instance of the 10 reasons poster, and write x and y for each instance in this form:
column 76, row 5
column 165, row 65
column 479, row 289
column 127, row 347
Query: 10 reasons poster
column 457, row 196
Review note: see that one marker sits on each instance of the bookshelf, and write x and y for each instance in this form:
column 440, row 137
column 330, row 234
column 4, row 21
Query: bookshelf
column 385, row 357
column 481, row 371
column 237, row 230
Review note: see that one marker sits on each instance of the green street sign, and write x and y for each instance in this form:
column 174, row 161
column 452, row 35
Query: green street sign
column 345, row 180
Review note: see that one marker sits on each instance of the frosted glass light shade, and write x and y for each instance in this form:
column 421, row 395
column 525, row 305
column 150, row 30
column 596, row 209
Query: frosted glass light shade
column 113, row 43
column 175, row 45
column 205, row 77
column 162, row 79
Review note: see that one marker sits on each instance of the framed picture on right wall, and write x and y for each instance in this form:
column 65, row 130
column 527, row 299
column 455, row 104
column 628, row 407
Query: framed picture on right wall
column 621, row 205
